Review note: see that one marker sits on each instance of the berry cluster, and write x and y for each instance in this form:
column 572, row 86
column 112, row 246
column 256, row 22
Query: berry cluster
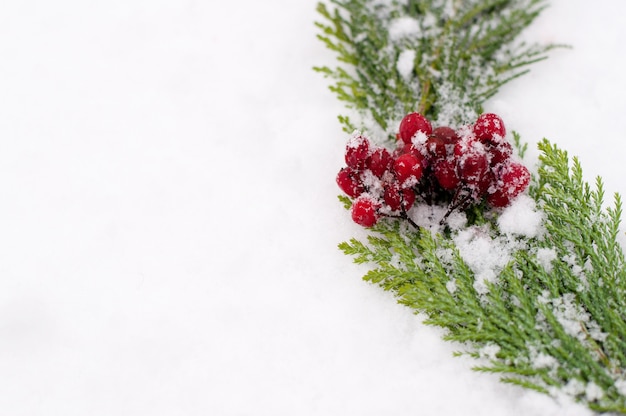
column 460, row 167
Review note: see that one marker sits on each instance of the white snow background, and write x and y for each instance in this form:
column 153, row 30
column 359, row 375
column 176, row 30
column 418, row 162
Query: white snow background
column 169, row 222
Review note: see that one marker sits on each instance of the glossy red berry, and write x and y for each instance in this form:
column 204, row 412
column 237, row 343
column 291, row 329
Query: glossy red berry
column 489, row 125
column 401, row 148
column 350, row 183
column 397, row 198
column 411, row 124
column 408, row 198
column 408, row 169
column 357, row 152
column 498, row 199
column 441, row 142
column 466, row 145
column 437, row 147
column 500, row 152
column 513, row 180
column 472, row 167
column 380, row 161
column 486, row 183
column 446, row 133
column 445, row 173
column 365, row 211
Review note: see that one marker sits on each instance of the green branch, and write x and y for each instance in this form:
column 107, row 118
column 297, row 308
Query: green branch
column 553, row 318
column 461, row 52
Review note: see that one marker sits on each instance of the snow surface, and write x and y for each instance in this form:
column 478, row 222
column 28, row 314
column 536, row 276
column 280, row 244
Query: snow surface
column 169, row 218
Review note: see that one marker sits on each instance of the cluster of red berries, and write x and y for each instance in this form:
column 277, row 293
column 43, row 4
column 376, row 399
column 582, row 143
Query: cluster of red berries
column 460, row 167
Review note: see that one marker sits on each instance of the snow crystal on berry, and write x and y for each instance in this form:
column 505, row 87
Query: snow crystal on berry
column 441, row 166
column 419, row 139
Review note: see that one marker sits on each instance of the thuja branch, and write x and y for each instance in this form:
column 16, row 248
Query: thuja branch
column 442, row 58
column 552, row 316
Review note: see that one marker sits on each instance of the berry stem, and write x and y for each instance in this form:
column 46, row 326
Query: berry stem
column 404, row 216
column 459, row 204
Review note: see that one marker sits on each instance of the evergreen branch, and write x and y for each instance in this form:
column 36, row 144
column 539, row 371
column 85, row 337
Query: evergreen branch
column 553, row 318
column 442, row 58
column 542, row 326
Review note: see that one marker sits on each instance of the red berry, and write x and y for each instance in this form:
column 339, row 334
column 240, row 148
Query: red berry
column 380, row 161
column 365, row 211
column 420, row 152
column 500, row 151
column 436, row 147
column 397, row 198
column 357, row 151
column 445, row 173
column 446, row 133
column 400, row 149
column 408, row 169
column 411, row 124
column 489, row 125
column 466, row 145
column 441, row 142
column 498, row 200
column 408, row 198
column 349, row 181
column 472, row 167
column 486, row 183
column 513, row 180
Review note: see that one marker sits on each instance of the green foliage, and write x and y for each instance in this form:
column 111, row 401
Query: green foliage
column 543, row 324
column 553, row 317
column 442, row 58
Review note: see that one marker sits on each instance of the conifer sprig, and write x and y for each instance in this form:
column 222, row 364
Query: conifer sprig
column 551, row 318
column 441, row 58
column 554, row 319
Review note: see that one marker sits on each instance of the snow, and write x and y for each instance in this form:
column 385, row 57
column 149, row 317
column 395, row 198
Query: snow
column 545, row 257
column 406, row 63
column 484, row 255
column 521, row 217
column 169, row 217
column 620, row 385
column 403, row 27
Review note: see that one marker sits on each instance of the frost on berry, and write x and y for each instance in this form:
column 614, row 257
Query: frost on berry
column 350, row 183
column 511, row 180
column 413, row 123
column 365, row 211
column 437, row 147
column 441, row 143
column 499, row 150
column 445, row 173
column 357, row 152
column 380, row 161
column 472, row 161
column 440, row 165
column 408, row 169
column 446, row 133
column 489, row 125
column 397, row 198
